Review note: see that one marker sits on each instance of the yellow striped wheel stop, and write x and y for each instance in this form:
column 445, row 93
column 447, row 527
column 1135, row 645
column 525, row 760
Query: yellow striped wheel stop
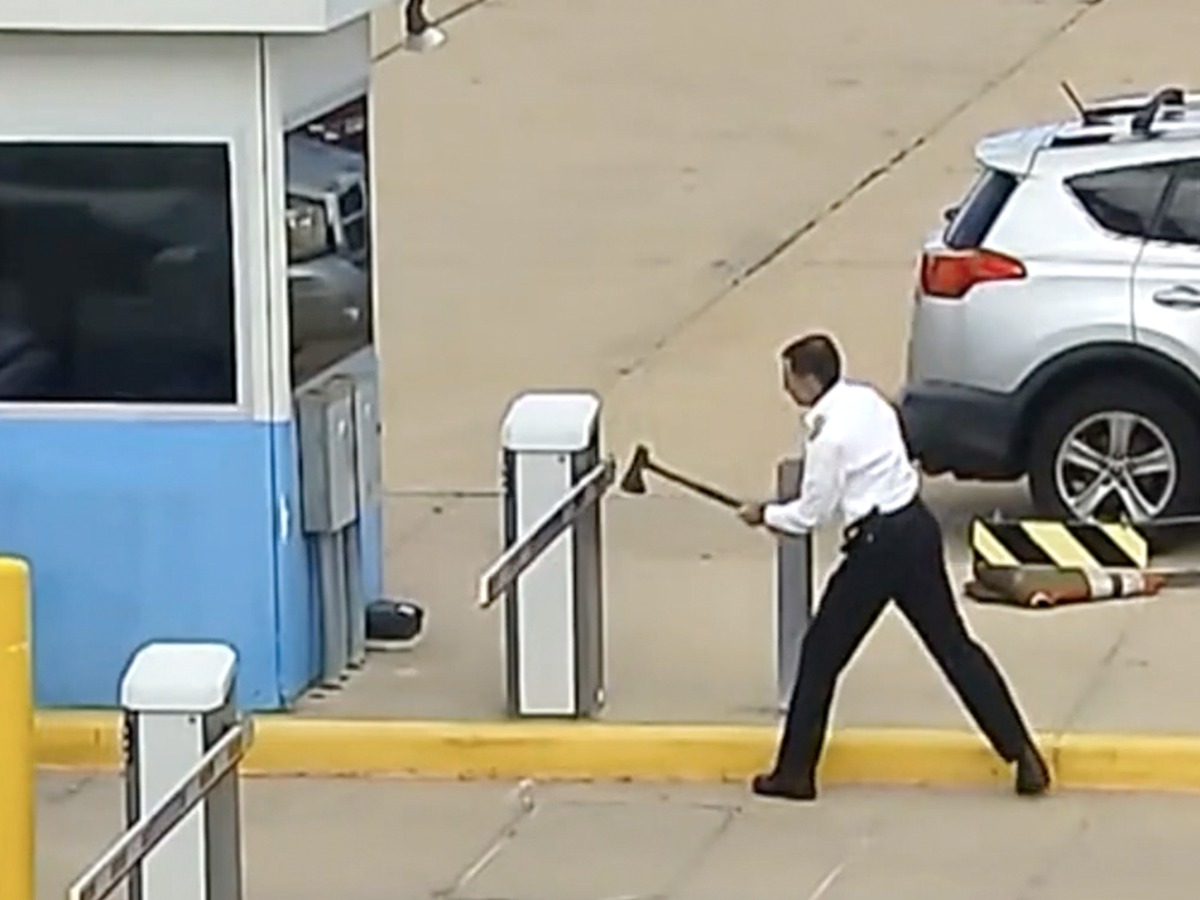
column 1065, row 545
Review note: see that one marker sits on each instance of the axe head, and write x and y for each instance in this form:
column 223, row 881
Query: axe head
column 634, row 480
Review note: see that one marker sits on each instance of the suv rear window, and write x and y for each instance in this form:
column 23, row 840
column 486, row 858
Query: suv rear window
column 979, row 211
column 1124, row 200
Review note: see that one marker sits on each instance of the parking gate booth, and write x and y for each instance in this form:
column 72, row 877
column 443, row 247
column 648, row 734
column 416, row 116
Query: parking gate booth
column 553, row 482
column 188, row 380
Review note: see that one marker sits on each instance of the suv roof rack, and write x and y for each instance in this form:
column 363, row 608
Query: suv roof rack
column 1134, row 115
column 1143, row 119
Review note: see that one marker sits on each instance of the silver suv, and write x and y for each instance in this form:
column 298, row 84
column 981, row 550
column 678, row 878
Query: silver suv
column 1056, row 320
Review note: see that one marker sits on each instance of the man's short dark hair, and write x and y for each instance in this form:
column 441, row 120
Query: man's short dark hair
column 815, row 355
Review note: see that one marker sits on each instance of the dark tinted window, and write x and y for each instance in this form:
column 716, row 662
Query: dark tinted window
column 979, row 211
column 1123, row 201
column 329, row 240
column 116, row 275
column 1179, row 221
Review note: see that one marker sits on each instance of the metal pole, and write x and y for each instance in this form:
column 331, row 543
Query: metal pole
column 334, row 640
column 793, row 588
column 356, row 600
column 340, row 542
column 16, row 735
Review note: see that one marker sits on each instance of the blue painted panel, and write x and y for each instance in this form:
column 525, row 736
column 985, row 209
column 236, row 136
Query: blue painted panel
column 299, row 636
column 153, row 530
column 161, row 529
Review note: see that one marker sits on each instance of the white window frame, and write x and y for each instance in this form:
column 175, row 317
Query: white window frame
column 242, row 334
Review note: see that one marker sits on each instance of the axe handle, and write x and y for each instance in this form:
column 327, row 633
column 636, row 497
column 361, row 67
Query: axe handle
column 692, row 485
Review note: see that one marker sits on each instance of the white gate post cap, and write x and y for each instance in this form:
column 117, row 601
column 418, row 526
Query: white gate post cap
column 178, row 677
column 550, row 422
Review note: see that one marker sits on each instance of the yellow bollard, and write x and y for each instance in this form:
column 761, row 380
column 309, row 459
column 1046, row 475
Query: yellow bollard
column 16, row 735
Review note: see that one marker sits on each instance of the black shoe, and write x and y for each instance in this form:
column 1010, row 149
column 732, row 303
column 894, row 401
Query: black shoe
column 1033, row 775
column 772, row 784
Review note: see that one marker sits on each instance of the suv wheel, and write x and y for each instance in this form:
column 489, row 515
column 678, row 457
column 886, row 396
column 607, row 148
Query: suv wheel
column 1113, row 449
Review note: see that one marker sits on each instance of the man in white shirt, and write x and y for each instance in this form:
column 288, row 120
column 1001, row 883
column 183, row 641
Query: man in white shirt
column 856, row 462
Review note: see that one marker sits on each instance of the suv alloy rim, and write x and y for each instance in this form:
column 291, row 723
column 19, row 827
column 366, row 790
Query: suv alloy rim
column 1115, row 463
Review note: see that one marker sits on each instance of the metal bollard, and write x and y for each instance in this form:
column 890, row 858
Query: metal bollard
column 793, row 587
column 16, row 735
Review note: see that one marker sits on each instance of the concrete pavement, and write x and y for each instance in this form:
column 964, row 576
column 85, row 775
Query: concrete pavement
column 690, row 639
column 561, row 208
column 572, row 211
column 396, row 840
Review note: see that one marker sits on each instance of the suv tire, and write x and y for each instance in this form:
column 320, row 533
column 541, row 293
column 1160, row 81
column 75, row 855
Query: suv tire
column 1158, row 416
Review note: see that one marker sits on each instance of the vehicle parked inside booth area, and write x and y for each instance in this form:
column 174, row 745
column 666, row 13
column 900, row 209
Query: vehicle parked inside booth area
column 328, row 253
column 1056, row 320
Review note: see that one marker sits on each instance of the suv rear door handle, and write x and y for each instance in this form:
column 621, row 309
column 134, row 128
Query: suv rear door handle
column 1179, row 297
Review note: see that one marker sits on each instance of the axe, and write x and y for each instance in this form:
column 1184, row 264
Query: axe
column 634, row 480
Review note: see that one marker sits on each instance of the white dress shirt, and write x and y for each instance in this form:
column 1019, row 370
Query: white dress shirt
column 855, row 461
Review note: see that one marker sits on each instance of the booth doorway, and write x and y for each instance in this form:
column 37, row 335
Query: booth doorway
column 329, row 240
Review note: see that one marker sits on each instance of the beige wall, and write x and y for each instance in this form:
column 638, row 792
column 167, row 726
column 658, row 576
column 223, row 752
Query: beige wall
column 387, row 28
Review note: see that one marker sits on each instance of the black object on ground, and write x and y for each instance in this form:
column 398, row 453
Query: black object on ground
column 394, row 624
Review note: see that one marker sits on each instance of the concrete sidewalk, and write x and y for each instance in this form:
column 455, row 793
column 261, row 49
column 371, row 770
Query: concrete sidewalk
column 573, row 211
column 562, row 209
column 395, row 840
column 690, row 638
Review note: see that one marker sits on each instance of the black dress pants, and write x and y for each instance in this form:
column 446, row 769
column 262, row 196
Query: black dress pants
column 893, row 557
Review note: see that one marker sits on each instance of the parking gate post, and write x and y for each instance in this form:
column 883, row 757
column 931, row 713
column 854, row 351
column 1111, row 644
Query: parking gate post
column 16, row 735
column 178, row 703
column 553, row 609
column 793, row 587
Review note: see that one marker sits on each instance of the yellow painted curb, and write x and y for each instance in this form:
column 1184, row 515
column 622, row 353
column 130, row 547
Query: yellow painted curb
column 290, row 745
column 78, row 740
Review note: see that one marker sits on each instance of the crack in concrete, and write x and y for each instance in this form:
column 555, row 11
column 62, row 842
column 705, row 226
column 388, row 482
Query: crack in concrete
column 857, row 851
column 526, row 802
column 863, row 183
column 1052, row 860
column 442, row 494
column 448, row 16
column 529, row 806
column 69, row 792
column 729, row 815
column 461, row 10
column 1103, row 671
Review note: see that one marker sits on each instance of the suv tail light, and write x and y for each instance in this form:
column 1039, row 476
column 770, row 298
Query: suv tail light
column 951, row 273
